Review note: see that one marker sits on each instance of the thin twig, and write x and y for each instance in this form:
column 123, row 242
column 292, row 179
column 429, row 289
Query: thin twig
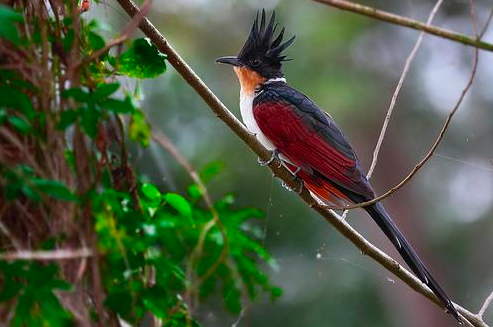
column 15, row 140
column 441, row 134
column 134, row 23
column 407, row 22
column 279, row 171
column 5, row 230
column 164, row 141
column 485, row 305
column 487, row 24
column 62, row 254
column 474, row 18
column 430, row 153
column 407, row 65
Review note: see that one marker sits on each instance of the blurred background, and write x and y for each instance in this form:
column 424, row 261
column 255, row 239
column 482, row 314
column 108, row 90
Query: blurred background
column 349, row 65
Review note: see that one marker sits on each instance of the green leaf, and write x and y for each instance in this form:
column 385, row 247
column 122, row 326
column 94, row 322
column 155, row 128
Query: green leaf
column 151, row 191
column 118, row 106
column 16, row 80
column 179, row 203
column 275, row 292
column 142, row 60
column 70, row 158
column 156, row 300
column 225, row 202
column 52, row 311
column 31, row 193
column 10, row 289
column 96, row 41
column 20, row 124
column 26, row 170
column 24, row 304
column 139, row 129
column 3, row 115
column 12, row 97
column 54, row 188
column 59, row 284
column 194, row 191
column 68, row 40
column 181, row 320
column 8, row 30
column 231, row 295
column 120, row 301
column 208, row 286
column 211, row 170
column 77, row 94
column 67, row 118
column 89, row 121
column 104, row 90
column 12, row 190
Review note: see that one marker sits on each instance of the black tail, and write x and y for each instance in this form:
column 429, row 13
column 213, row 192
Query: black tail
column 383, row 220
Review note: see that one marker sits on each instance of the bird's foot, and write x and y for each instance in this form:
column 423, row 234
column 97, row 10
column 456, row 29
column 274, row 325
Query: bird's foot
column 296, row 172
column 297, row 178
column 274, row 155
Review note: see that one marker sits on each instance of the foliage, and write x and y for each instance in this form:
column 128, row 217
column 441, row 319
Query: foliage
column 33, row 285
column 142, row 60
column 67, row 181
column 159, row 239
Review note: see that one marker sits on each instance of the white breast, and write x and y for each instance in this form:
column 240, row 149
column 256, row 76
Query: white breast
column 246, row 108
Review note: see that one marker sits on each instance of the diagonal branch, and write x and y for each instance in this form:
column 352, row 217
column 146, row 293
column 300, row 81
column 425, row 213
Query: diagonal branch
column 407, row 65
column 485, row 305
column 229, row 119
column 440, row 136
column 487, row 24
column 393, row 100
column 407, row 22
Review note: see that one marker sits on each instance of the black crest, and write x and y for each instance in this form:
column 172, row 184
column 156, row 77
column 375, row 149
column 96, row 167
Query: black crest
column 262, row 51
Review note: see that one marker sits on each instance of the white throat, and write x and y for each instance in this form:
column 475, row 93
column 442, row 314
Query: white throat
column 275, row 79
column 246, row 109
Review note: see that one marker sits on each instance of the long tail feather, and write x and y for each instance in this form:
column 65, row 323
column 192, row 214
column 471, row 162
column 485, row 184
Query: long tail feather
column 387, row 225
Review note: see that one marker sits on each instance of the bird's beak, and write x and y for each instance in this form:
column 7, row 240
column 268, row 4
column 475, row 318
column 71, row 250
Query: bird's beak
column 230, row 60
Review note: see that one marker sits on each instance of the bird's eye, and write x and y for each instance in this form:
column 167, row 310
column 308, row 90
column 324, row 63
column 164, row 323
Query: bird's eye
column 255, row 62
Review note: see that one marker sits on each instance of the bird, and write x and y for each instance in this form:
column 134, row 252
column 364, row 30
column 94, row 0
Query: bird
column 307, row 140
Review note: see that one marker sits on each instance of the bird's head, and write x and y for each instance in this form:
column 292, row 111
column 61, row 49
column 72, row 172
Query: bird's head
column 261, row 56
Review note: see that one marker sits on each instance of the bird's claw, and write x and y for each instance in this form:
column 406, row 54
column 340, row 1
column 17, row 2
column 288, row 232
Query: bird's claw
column 275, row 154
column 295, row 178
column 296, row 172
column 301, row 186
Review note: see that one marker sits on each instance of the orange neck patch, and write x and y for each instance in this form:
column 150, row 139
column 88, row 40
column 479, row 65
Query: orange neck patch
column 249, row 79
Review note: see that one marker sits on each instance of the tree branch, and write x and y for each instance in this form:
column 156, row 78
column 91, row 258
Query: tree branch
column 487, row 24
column 121, row 38
column 438, row 139
column 407, row 22
column 227, row 117
column 62, row 254
column 485, row 305
column 393, row 100
column 5, row 230
column 407, row 65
